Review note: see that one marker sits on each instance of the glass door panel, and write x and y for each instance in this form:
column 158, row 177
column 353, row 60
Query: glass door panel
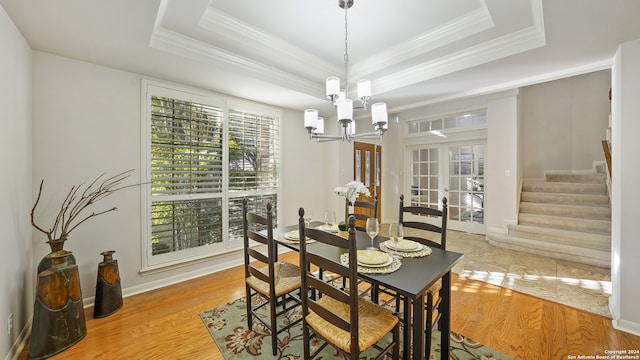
column 455, row 171
column 466, row 183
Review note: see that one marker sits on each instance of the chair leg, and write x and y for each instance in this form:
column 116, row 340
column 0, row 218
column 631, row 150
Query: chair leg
column 274, row 332
column 396, row 339
column 249, row 318
column 305, row 339
column 429, row 325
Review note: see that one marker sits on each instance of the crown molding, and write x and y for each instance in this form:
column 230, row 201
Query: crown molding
column 276, row 50
column 457, row 29
column 510, row 85
column 184, row 46
column 514, row 43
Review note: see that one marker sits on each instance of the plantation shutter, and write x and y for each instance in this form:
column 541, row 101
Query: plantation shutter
column 253, row 151
column 186, row 147
column 186, row 174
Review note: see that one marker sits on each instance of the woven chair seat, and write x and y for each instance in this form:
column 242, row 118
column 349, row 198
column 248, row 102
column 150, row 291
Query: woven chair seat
column 374, row 321
column 287, row 279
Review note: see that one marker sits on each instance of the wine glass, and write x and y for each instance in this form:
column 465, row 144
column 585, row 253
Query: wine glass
column 307, row 217
column 329, row 219
column 372, row 231
column 394, row 229
column 399, row 236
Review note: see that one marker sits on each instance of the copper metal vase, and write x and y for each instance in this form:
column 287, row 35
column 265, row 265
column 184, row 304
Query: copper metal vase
column 55, row 245
column 108, row 289
column 58, row 314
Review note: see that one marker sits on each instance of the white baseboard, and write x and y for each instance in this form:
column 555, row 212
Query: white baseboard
column 626, row 326
column 153, row 285
column 622, row 325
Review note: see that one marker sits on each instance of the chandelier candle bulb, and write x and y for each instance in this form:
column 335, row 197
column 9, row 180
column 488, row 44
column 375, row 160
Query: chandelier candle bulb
column 333, row 86
column 364, row 90
column 310, row 118
column 345, row 109
column 319, row 126
column 379, row 114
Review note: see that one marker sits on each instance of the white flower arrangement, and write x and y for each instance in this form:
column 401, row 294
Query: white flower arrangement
column 352, row 190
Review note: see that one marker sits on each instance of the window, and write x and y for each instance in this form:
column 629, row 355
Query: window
column 254, row 153
column 437, row 126
column 202, row 159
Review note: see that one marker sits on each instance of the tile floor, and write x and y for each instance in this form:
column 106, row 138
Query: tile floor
column 577, row 285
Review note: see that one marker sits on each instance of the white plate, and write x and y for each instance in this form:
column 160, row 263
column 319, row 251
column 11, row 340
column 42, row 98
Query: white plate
column 292, row 235
column 324, row 227
column 391, row 246
column 372, row 257
column 386, row 263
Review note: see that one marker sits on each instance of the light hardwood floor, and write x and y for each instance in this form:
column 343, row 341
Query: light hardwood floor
column 164, row 324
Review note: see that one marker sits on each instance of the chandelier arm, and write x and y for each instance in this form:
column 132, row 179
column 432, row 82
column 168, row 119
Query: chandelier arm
column 323, row 138
column 369, row 135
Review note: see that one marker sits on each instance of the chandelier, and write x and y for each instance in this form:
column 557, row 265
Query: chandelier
column 344, row 106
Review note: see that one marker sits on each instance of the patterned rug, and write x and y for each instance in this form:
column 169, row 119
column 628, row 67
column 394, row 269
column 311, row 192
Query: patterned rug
column 227, row 324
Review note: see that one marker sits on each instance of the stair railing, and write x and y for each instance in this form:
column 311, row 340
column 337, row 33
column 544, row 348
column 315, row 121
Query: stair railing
column 607, row 154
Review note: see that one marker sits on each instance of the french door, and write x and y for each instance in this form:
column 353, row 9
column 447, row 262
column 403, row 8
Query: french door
column 454, row 171
column 367, row 160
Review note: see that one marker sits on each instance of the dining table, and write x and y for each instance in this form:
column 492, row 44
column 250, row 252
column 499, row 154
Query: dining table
column 411, row 280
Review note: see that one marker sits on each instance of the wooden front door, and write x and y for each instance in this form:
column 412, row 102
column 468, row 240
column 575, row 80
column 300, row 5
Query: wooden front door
column 367, row 162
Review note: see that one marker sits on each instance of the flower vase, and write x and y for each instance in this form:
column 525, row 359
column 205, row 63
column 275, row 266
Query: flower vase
column 343, row 225
column 55, row 245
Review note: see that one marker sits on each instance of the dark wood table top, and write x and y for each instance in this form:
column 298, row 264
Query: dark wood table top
column 413, row 279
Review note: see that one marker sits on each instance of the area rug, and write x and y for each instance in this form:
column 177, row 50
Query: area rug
column 227, row 324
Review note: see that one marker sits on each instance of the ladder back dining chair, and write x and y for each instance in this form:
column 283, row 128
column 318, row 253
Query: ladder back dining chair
column 362, row 210
column 432, row 234
column 340, row 317
column 267, row 280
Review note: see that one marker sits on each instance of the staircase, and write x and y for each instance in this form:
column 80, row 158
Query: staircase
column 565, row 216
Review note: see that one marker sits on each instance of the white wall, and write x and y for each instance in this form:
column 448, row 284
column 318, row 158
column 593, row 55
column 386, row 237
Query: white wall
column 304, row 165
column 86, row 121
column 564, row 123
column 625, row 197
column 16, row 268
column 502, row 168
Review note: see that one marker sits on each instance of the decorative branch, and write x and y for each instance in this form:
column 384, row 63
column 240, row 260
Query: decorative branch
column 69, row 216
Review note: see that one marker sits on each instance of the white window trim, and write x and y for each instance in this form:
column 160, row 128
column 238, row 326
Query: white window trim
column 152, row 263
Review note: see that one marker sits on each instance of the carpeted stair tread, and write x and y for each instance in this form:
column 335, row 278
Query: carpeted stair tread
column 573, row 211
column 564, row 187
column 595, row 178
column 574, row 224
column 579, row 239
column 601, row 258
column 565, row 199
